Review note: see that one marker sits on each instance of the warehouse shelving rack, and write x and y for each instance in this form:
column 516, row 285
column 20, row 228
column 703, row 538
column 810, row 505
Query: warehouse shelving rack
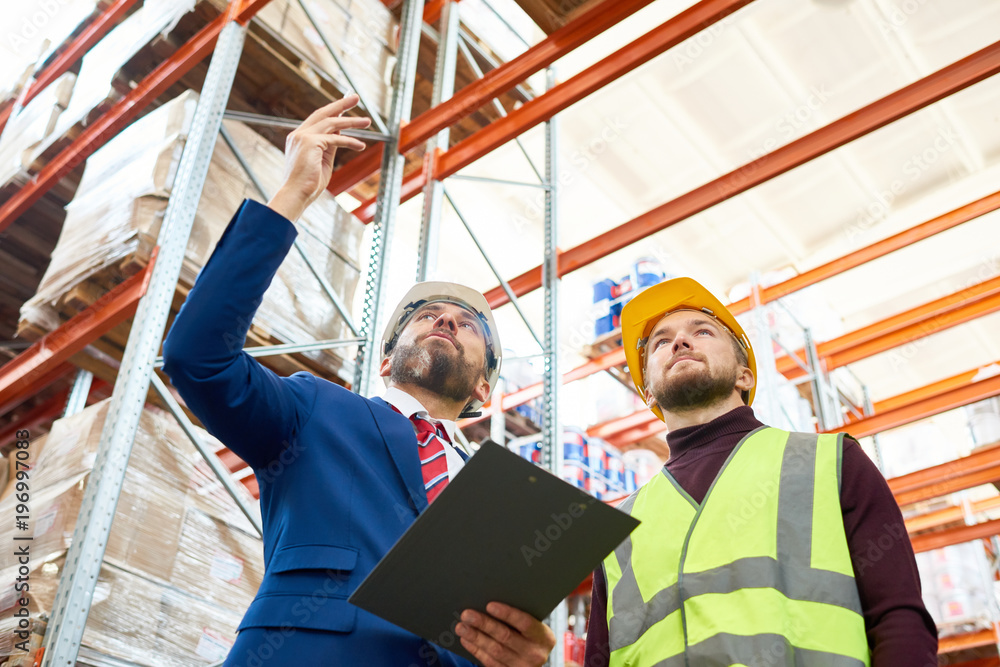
column 145, row 295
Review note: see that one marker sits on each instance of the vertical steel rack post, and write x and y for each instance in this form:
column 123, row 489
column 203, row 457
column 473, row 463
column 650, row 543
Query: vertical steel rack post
column 97, row 510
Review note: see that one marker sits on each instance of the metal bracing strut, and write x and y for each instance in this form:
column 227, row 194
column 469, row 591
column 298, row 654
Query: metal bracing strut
column 387, row 201
column 552, row 445
column 444, row 88
column 97, row 509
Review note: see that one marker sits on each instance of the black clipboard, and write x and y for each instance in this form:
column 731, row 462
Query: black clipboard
column 503, row 529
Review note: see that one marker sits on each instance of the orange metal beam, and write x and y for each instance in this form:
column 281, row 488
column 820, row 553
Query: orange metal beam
column 649, row 427
column 73, row 51
column 413, row 184
column 613, row 427
column 946, row 538
column 525, row 394
column 642, row 424
column 496, row 82
column 896, row 410
column 231, row 460
column 937, row 86
column 967, row 641
column 878, row 249
column 36, row 415
column 655, row 42
column 982, row 662
column 928, row 407
column 948, row 515
column 121, row 114
column 966, row 480
column 983, row 459
column 251, row 483
column 934, row 389
column 44, row 412
column 33, row 369
column 643, row 418
column 968, row 304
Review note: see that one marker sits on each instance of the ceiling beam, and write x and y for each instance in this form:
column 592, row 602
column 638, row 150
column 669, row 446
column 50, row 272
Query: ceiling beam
column 968, row 640
column 898, row 410
column 657, row 41
column 46, row 411
column 832, row 268
column 927, row 407
column 950, row 536
column 496, row 82
column 953, row 514
column 933, row 389
column 918, row 95
column 906, row 327
column 521, row 396
column 856, row 258
column 987, row 457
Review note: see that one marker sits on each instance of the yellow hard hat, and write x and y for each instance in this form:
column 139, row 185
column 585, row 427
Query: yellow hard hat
column 641, row 314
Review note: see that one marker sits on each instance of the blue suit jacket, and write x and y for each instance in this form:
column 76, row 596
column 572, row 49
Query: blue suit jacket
column 339, row 474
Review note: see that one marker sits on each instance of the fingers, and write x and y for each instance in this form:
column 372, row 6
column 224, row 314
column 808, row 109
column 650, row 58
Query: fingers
column 485, row 639
column 333, row 141
column 521, row 621
column 339, row 123
column 337, row 108
column 505, row 637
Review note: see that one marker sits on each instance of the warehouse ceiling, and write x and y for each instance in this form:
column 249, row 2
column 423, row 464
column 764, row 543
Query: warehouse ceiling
column 772, row 73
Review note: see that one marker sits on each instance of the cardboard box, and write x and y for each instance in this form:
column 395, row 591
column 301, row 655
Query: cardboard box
column 176, row 577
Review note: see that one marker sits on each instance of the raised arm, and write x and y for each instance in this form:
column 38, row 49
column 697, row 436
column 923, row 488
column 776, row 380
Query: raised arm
column 251, row 409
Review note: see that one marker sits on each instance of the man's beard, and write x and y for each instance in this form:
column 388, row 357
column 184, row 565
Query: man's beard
column 450, row 376
column 686, row 393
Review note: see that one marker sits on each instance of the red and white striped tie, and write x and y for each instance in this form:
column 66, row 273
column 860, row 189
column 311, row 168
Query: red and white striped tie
column 433, row 461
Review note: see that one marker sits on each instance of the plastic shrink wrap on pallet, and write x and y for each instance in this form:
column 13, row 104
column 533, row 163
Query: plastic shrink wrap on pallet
column 361, row 32
column 181, row 565
column 98, row 84
column 25, row 131
column 113, row 221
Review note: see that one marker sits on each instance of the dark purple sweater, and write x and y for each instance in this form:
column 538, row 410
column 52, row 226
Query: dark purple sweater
column 900, row 631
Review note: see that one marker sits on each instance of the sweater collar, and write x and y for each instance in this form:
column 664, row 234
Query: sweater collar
column 738, row 420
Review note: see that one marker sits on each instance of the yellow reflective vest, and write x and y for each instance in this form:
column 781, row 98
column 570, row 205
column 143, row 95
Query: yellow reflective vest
column 758, row 574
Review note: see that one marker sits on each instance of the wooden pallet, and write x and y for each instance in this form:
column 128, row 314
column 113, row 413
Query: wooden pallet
column 103, row 356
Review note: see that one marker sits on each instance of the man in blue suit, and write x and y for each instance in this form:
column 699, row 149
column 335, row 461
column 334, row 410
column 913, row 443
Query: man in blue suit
column 340, row 475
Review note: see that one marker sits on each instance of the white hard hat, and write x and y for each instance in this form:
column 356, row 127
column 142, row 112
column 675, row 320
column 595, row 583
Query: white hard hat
column 466, row 297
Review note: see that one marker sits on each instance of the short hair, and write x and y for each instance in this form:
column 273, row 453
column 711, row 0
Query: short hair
column 744, row 360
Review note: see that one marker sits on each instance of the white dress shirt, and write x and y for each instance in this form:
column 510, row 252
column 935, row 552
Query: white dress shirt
column 410, row 406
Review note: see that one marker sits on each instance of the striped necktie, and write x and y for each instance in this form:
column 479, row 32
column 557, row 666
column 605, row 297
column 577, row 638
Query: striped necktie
column 433, row 462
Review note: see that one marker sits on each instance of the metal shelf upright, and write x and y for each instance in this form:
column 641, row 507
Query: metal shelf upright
column 97, row 510
column 149, row 288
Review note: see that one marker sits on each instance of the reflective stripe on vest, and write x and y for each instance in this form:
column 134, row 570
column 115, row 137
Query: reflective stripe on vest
column 759, row 573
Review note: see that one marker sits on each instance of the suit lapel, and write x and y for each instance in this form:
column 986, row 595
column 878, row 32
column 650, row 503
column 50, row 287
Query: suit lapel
column 397, row 435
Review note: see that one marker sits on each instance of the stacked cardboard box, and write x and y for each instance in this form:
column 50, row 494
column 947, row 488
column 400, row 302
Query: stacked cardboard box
column 33, row 125
column 99, row 83
column 361, row 32
column 112, row 224
column 181, row 565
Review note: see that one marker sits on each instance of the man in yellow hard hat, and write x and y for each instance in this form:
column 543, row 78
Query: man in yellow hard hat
column 757, row 547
